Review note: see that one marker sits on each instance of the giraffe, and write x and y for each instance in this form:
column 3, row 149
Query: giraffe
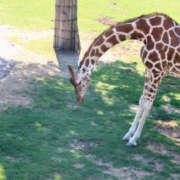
column 160, row 54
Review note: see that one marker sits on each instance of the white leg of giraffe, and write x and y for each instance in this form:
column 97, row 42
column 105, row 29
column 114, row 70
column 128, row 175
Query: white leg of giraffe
column 132, row 129
column 147, row 108
column 150, row 89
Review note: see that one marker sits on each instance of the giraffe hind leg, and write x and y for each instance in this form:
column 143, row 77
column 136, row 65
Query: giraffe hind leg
column 152, row 83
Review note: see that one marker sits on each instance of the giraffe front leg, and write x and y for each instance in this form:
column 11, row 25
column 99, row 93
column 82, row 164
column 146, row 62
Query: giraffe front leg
column 152, row 83
column 132, row 129
column 147, row 108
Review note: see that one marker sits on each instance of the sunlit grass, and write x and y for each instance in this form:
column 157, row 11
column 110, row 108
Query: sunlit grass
column 42, row 46
column 28, row 15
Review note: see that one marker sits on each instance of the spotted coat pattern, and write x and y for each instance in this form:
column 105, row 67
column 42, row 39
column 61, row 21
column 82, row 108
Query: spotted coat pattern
column 160, row 55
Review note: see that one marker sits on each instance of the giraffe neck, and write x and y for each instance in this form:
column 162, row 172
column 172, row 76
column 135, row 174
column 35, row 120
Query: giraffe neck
column 103, row 43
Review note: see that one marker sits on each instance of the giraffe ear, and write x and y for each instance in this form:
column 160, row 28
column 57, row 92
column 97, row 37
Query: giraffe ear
column 73, row 78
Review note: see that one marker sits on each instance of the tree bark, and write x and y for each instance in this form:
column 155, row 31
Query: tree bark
column 66, row 35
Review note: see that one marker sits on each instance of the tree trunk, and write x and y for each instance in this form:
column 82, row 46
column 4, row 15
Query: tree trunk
column 66, row 29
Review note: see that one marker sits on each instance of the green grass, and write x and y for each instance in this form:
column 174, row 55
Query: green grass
column 36, row 142
column 123, row 10
column 28, row 15
column 39, row 15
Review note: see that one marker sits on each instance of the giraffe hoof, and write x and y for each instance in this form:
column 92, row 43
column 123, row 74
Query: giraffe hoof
column 126, row 137
column 131, row 144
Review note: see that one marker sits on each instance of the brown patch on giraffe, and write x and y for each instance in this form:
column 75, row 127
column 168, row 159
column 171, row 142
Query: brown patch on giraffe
column 108, row 33
column 99, row 41
column 177, row 30
column 87, row 62
column 164, row 64
column 104, row 48
column 152, row 90
column 176, row 59
column 174, row 70
column 170, row 64
column 84, row 70
column 92, row 53
column 163, row 55
column 174, row 39
column 92, row 62
column 81, row 63
column 165, row 38
column 170, row 53
column 144, row 54
column 143, row 26
column 157, row 80
column 142, row 50
column 148, row 64
column 155, row 21
column 122, row 37
column 112, row 40
column 153, row 56
column 150, row 43
column 146, row 87
column 156, row 76
column 178, row 49
column 159, row 46
column 97, row 53
column 154, row 86
column 136, row 35
column 168, row 23
column 124, row 28
column 158, row 66
column 157, row 33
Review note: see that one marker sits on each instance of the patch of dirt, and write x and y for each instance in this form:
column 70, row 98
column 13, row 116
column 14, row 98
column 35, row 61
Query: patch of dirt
column 145, row 160
column 8, row 30
column 175, row 176
column 82, row 145
column 18, row 66
column 114, row 4
column 160, row 148
column 127, row 173
column 120, row 173
column 170, row 109
column 170, row 129
column 106, row 20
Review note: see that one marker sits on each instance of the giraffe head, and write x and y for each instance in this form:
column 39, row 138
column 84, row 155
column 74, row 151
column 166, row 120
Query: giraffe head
column 80, row 86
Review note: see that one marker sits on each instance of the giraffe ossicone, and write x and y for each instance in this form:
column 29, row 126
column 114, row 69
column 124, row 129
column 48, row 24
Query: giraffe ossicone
column 160, row 55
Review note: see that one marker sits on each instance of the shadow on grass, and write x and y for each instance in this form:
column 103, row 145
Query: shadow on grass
column 59, row 140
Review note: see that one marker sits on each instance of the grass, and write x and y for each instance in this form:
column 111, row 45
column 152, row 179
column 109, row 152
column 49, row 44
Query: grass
column 121, row 11
column 39, row 15
column 27, row 15
column 43, row 141
column 54, row 138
